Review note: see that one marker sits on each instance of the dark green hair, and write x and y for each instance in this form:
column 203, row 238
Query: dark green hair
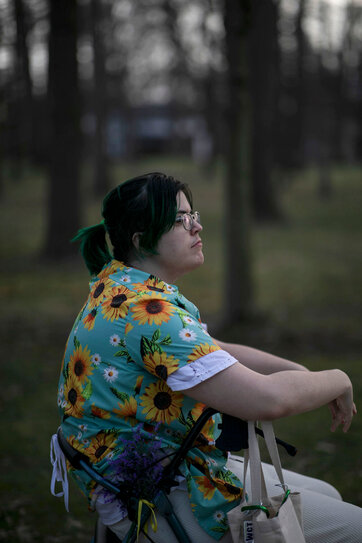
column 145, row 204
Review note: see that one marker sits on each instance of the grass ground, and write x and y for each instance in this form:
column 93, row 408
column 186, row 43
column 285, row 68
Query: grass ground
column 308, row 284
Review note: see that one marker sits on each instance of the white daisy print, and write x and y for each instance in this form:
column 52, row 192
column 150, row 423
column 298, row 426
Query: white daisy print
column 79, row 436
column 114, row 340
column 170, row 288
column 188, row 320
column 125, row 279
column 187, row 334
column 59, row 401
column 110, row 374
column 219, row 516
column 82, row 427
column 85, row 442
column 96, row 359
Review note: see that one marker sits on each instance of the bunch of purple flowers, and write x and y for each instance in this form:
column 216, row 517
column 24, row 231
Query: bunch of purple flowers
column 138, row 465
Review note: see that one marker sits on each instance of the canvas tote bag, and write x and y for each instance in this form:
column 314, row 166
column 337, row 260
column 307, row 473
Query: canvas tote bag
column 262, row 518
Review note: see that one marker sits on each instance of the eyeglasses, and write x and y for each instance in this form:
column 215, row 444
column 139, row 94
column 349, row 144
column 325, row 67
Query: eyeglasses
column 188, row 220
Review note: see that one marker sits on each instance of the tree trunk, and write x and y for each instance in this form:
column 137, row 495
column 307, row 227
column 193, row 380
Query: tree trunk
column 64, row 149
column 300, row 132
column 263, row 69
column 23, row 90
column 238, row 276
column 101, row 169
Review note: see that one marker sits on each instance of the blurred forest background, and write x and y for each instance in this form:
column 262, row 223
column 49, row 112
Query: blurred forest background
column 258, row 106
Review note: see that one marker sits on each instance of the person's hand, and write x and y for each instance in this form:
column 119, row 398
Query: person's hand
column 343, row 410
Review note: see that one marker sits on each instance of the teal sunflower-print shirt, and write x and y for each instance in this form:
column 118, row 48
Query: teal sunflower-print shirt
column 132, row 334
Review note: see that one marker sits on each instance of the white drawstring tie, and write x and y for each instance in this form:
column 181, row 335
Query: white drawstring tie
column 59, row 474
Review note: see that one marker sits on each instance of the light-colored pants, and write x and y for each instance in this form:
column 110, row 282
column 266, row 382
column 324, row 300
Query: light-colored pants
column 327, row 519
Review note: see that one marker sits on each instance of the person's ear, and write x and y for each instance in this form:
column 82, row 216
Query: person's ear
column 136, row 240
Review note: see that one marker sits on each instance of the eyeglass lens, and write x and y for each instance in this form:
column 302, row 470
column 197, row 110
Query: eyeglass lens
column 188, row 219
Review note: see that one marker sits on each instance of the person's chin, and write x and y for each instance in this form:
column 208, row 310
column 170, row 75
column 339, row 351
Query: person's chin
column 200, row 259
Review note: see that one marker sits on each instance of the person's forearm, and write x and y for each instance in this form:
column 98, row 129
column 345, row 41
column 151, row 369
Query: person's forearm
column 259, row 361
column 305, row 392
column 240, row 392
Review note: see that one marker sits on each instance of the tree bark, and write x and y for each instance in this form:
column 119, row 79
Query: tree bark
column 101, row 169
column 300, row 132
column 263, row 69
column 23, row 109
column 238, row 277
column 64, row 150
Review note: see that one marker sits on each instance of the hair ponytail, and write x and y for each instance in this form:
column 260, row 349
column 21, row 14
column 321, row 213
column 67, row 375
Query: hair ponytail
column 93, row 246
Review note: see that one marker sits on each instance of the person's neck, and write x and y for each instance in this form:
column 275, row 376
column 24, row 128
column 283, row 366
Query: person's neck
column 149, row 266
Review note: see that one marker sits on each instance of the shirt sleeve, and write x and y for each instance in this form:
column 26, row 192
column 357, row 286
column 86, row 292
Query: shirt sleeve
column 200, row 370
column 163, row 339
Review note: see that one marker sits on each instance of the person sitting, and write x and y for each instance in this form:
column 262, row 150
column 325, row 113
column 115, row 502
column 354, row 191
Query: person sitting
column 139, row 368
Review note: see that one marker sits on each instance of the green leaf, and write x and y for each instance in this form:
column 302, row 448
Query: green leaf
column 182, row 419
column 190, row 420
column 218, row 529
column 225, row 476
column 166, row 340
column 180, row 304
column 130, row 360
column 146, row 346
column 66, row 371
column 120, row 395
column 76, row 342
column 156, row 335
column 121, row 353
column 87, row 391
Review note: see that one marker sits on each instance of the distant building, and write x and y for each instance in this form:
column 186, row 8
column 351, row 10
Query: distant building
column 153, row 129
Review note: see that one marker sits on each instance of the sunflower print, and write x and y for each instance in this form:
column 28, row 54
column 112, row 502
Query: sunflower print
column 74, row 442
column 111, row 268
column 197, row 410
column 101, row 445
column 80, row 364
column 229, row 491
column 152, row 284
column 73, row 397
column 202, row 350
column 127, row 410
column 117, row 302
column 100, row 413
column 90, row 319
column 205, row 486
column 152, row 309
column 160, row 403
column 161, row 365
column 208, row 429
column 137, row 387
column 111, row 328
column 98, row 293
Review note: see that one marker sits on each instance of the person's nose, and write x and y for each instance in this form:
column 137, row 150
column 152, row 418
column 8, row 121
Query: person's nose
column 196, row 228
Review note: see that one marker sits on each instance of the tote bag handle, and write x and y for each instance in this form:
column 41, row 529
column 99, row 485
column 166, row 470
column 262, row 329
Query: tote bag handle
column 252, row 457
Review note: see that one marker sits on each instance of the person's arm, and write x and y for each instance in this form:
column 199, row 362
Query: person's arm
column 259, row 361
column 249, row 395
